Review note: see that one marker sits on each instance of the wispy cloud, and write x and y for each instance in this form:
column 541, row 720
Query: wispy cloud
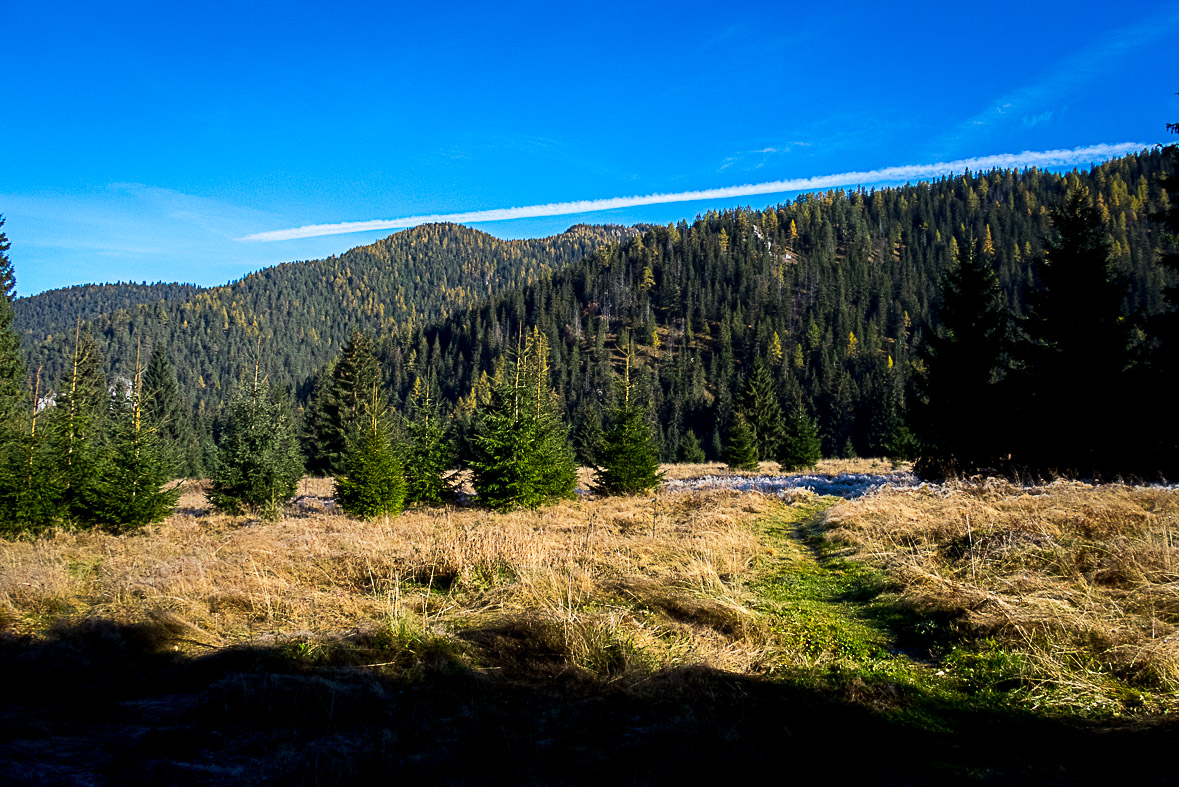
column 1031, row 121
column 760, row 157
column 1077, row 72
column 785, row 147
column 1043, row 158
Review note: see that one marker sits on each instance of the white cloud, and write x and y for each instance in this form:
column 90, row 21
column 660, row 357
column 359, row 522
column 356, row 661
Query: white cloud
column 1043, row 158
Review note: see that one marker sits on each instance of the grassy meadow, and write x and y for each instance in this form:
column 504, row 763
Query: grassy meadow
column 979, row 632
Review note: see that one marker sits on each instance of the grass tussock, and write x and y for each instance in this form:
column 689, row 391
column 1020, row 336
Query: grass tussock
column 607, row 586
column 1066, row 595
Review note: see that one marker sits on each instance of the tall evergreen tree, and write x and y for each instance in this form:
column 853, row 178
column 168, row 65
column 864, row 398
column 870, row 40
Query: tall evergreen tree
column 628, row 461
column 428, row 453
column 135, row 467
column 759, row 404
column 315, row 424
column 167, row 413
column 958, row 414
column 553, row 464
column 741, row 449
column 520, row 451
column 372, row 483
column 1076, row 348
column 500, row 454
column 690, row 450
column 343, row 401
column 257, row 465
column 12, row 370
column 30, row 495
column 78, row 425
column 801, row 445
column 587, row 437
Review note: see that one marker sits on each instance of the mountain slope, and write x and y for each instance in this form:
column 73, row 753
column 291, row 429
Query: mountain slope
column 292, row 318
column 830, row 291
column 55, row 311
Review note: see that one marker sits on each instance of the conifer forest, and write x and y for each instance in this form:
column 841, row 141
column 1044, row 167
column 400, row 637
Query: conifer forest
column 1004, row 322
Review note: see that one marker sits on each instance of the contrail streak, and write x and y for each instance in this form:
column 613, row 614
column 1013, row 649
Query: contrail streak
column 1029, row 158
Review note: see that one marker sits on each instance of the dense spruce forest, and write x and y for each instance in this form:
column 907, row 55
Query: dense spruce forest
column 831, row 293
column 56, row 312
column 990, row 322
column 291, row 318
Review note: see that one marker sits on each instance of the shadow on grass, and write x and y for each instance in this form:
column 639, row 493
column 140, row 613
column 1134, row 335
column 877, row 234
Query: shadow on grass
column 115, row 704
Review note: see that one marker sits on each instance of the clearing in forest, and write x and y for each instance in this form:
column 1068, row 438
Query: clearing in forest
column 692, row 633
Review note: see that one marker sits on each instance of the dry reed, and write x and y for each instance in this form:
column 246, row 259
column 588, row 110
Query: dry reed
column 660, row 584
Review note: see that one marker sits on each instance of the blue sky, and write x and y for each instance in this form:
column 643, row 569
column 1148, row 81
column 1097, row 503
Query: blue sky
column 150, row 142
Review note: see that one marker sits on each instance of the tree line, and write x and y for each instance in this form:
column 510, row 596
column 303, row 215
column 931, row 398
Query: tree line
column 106, row 452
column 1078, row 384
column 1018, row 322
column 858, row 262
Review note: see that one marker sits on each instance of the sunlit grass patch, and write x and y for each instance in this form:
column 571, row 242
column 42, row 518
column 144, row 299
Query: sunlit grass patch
column 1063, row 597
column 609, row 586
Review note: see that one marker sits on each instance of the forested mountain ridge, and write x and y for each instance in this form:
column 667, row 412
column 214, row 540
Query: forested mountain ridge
column 829, row 291
column 56, row 311
column 295, row 316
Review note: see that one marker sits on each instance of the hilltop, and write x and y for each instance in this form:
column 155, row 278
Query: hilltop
column 293, row 317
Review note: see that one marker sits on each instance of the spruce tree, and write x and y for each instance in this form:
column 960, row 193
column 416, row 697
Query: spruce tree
column 315, row 424
column 29, row 496
column 257, row 465
column 166, row 412
column 500, row 454
column 759, row 404
column 741, row 449
column 1071, row 378
column 372, row 483
column 690, row 451
column 428, row 455
column 957, row 402
column 341, row 403
column 902, row 445
column 801, row 444
column 135, row 468
column 628, row 462
column 77, row 426
column 12, row 370
column 520, row 451
column 587, row 437
column 553, row 464
column 30, row 493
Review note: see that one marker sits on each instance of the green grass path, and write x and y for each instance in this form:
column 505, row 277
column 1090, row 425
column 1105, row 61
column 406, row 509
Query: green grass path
column 837, row 625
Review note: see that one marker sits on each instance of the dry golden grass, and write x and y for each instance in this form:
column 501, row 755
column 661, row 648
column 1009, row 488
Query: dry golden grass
column 614, row 577
column 1081, row 581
